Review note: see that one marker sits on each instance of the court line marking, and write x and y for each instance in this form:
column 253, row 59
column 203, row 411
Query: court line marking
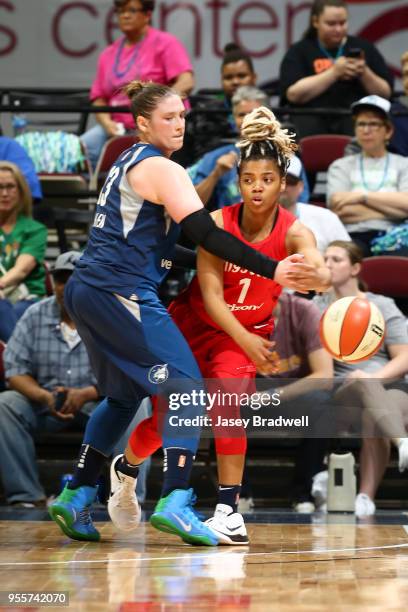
column 406, row 528
column 206, row 556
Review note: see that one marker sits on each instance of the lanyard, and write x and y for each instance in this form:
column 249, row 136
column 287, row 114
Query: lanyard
column 331, row 57
column 384, row 176
column 121, row 73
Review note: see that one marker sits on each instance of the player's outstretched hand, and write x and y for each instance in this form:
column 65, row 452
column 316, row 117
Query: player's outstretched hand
column 295, row 274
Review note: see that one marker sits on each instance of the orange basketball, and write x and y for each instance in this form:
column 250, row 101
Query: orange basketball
column 352, row 329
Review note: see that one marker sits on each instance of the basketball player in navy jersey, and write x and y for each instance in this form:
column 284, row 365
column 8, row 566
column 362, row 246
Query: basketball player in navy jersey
column 135, row 348
column 226, row 315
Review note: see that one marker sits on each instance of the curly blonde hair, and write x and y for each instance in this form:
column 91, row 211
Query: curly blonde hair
column 262, row 137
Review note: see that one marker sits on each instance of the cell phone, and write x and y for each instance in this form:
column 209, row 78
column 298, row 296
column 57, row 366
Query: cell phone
column 60, row 398
column 355, row 53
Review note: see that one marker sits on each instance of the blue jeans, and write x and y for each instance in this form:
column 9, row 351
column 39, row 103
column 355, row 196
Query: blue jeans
column 10, row 314
column 143, row 412
column 20, row 420
column 94, row 139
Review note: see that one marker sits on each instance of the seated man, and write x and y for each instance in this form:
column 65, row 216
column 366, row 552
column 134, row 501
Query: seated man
column 51, row 386
column 325, row 225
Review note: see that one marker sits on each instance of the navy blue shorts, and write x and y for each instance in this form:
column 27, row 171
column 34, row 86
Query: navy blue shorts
column 135, row 348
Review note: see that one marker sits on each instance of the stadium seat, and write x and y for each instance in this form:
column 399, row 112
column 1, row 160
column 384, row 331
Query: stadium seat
column 62, row 187
column 72, row 226
column 63, row 192
column 319, row 151
column 387, row 275
column 110, row 152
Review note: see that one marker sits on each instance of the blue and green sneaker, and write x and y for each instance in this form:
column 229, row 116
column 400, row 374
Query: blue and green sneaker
column 173, row 514
column 71, row 512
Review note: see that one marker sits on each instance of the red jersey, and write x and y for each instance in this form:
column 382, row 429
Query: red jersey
column 250, row 297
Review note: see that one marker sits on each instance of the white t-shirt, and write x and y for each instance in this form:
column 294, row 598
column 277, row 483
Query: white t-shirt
column 345, row 174
column 325, row 225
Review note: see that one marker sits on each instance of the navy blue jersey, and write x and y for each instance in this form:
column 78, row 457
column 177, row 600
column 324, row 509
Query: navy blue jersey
column 132, row 240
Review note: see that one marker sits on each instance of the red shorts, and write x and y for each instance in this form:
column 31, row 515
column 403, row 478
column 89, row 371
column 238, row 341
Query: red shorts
column 227, row 369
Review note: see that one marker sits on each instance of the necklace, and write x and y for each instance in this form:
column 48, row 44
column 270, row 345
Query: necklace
column 121, row 73
column 331, row 57
column 383, row 178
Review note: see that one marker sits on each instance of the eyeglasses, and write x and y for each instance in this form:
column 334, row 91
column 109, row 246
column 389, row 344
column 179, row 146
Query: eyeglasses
column 132, row 11
column 370, row 125
column 8, row 187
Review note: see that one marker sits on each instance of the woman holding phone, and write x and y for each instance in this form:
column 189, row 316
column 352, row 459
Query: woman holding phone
column 330, row 68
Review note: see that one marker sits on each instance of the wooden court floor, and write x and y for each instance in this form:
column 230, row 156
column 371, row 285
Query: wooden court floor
column 287, row 567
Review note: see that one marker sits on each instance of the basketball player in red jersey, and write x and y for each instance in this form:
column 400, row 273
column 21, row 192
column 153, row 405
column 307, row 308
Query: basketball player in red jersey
column 226, row 316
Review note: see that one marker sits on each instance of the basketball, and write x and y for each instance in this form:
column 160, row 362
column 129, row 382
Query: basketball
column 352, row 329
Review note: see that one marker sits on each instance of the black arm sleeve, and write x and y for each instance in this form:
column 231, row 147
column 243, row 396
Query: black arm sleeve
column 184, row 258
column 201, row 229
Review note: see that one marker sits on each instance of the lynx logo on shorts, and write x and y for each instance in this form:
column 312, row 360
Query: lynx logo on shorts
column 158, row 374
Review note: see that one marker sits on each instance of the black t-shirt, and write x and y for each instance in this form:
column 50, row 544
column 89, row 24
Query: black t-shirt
column 305, row 59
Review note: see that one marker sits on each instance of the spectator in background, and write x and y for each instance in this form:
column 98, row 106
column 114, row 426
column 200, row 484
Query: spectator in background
column 51, row 387
column 237, row 70
column 399, row 140
column 366, row 382
column 212, row 118
column 22, row 249
column 142, row 53
column 329, row 68
column 215, row 175
column 303, row 383
column 369, row 190
column 12, row 151
column 325, row 225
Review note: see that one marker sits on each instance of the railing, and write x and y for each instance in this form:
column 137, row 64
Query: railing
column 72, row 104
